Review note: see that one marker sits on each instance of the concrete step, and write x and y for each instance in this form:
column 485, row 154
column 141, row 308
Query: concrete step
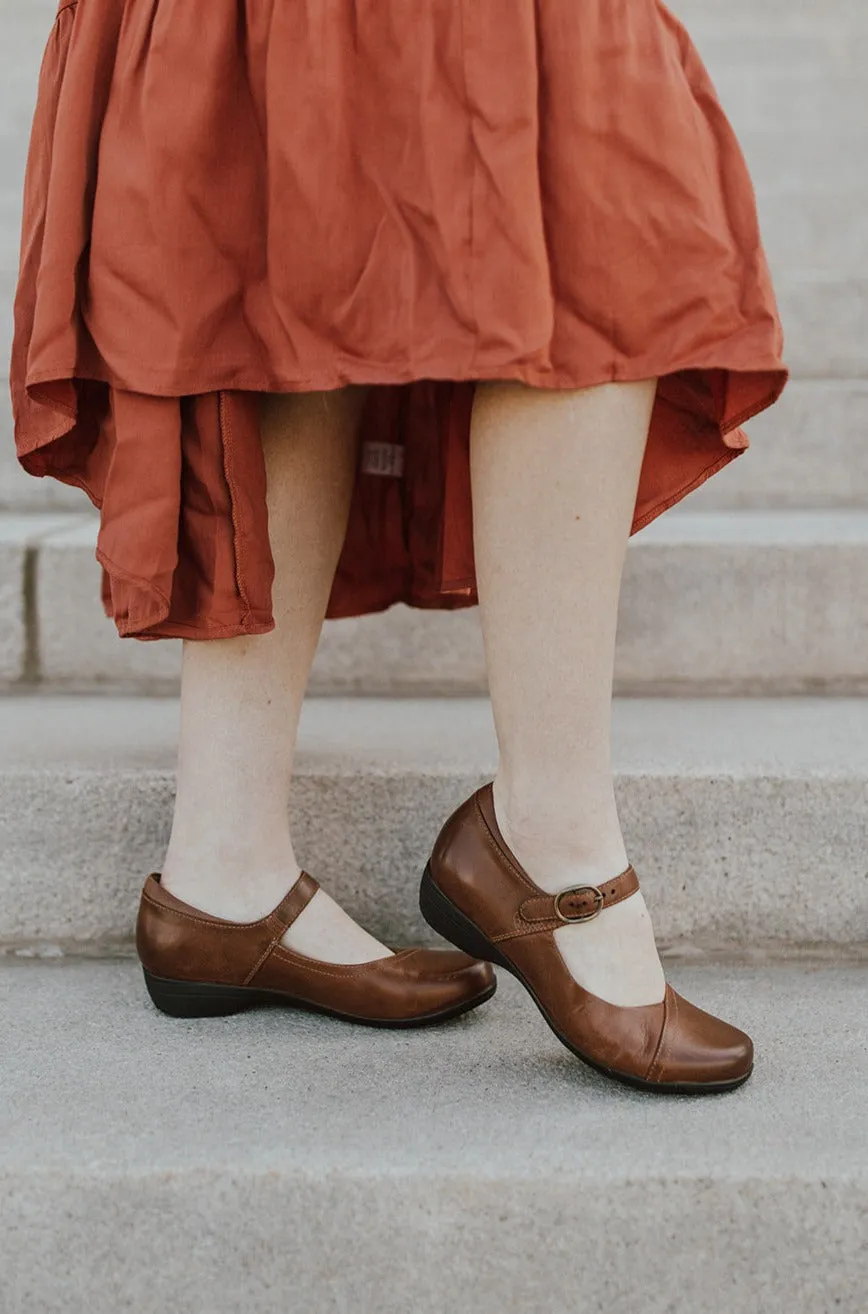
column 20, row 492
column 746, row 819
column 809, row 450
column 739, row 601
column 19, row 539
column 290, row 1163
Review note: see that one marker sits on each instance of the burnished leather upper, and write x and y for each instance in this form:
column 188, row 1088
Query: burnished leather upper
column 670, row 1042
column 178, row 942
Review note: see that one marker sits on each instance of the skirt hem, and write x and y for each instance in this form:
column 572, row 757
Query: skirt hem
column 361, row 374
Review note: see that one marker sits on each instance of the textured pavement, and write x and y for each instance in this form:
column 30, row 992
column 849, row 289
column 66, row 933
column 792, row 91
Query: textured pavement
column 282, row 1161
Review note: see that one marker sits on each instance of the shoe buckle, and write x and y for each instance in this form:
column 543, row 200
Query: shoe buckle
column 599, row 900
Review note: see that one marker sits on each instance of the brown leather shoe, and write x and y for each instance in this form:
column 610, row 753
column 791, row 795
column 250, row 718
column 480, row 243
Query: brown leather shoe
column 199, row 966
column 476, row 894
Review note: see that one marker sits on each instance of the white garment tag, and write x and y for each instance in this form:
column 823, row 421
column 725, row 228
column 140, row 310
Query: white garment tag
column 386, row 459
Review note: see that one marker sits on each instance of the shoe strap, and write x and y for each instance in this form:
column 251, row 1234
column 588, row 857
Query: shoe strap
column 296, row 900
column 580, row 903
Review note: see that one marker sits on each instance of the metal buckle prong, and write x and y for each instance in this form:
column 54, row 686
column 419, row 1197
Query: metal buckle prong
column 599, row 900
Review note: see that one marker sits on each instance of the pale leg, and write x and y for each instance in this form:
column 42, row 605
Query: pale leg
column 554, row 488
column 230, row 851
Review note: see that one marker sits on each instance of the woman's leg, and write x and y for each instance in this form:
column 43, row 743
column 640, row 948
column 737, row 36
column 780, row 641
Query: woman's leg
column 554, row 488
column 230, row 851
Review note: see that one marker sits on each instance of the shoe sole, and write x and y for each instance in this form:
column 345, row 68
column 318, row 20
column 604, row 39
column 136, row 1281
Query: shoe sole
column 204, row 999
column 449, row 921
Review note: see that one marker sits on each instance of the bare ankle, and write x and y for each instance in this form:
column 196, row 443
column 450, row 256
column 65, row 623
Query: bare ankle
column 219, row 885
column 233, row 890
column 557, row 844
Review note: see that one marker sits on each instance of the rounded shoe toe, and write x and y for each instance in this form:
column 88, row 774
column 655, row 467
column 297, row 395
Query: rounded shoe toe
column 728, row 1057
column 700, row 1049
column 448, row 978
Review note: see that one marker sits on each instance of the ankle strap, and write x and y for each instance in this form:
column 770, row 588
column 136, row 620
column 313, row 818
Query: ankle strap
column 581, row 903
column 296, row 901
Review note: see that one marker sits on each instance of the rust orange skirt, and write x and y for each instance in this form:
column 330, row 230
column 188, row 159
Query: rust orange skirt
column 283, row 195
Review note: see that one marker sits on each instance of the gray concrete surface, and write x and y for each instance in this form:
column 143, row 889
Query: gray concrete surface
column 747, row 820
column 12, row 636
column 77, row 644
column 284, row 1162
column 746, row 600
column 807, row 451
column 20, row 539
column 742, row 602
column 714, row 601
column 21, row 492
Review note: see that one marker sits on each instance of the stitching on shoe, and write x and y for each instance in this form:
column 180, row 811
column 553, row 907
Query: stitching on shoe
column 519, row 922
column 350, row 971
column 502, row 853
column 555, row 922
column 344, row 972
column 263, row 956
column 433, row 974
column 205, row 920
column 441, row 976
column 523, row 932
column 661, row 1051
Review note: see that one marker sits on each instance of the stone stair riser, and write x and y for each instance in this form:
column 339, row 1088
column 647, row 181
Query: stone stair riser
column 300, row 1246
column 742, row 602
column 725, row 861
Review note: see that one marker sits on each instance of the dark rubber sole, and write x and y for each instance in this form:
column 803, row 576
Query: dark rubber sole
column 450, row 922
column 202, row 999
